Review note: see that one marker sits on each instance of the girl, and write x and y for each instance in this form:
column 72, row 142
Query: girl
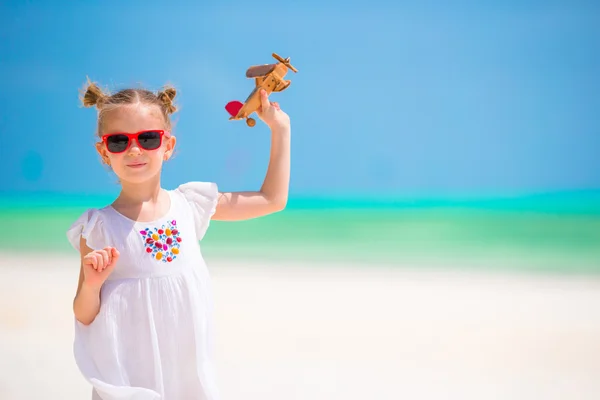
column 143, row 303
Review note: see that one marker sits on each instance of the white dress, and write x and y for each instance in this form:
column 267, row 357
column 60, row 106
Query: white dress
column 152, row 337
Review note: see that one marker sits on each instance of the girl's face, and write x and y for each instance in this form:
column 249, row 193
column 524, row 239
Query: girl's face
column 137, row 159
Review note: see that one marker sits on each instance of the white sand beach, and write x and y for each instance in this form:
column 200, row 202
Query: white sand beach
column 338, row 332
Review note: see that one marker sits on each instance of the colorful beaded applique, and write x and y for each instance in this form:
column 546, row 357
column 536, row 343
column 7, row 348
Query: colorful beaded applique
column 163, row 243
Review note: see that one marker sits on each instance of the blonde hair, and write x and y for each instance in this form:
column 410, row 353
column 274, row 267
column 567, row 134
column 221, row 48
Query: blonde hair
column 93, row 95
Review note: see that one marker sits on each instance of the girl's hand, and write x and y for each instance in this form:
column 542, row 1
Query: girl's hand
column 271, row 114
column 97, row 266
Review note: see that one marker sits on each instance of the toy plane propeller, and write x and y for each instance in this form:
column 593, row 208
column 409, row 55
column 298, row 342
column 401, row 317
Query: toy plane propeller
column 268, row 77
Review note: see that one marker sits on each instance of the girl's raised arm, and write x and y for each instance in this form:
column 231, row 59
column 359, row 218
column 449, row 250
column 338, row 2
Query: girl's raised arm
column 273, row 195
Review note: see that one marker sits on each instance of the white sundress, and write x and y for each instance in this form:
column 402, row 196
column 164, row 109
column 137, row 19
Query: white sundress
column 151, row 339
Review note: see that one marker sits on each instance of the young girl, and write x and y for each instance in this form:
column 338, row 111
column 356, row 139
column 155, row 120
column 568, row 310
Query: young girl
column 143, row 302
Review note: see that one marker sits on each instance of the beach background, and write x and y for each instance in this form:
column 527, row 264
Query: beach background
column 442, row 238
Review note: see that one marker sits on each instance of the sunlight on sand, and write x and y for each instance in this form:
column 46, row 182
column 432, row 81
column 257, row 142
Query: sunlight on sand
column 337, row 332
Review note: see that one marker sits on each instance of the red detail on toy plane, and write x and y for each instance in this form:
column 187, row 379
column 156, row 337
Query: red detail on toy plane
column 233, row 107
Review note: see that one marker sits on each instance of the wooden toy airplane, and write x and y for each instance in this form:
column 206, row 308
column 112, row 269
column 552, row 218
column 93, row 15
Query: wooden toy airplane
column 268, row 77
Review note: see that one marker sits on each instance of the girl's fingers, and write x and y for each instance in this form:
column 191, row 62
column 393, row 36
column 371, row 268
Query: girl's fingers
column 115, row 254
column 99, row 261
column 264, row 100
column 90, row 259
column 105, row 259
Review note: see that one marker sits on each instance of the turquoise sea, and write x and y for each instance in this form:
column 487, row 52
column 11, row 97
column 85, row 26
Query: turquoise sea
column 553, row 232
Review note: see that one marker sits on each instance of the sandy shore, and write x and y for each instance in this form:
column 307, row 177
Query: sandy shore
column 296, row 332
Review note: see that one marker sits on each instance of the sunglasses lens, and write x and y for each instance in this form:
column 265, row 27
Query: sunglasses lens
column 149, row 140
column 117, row 143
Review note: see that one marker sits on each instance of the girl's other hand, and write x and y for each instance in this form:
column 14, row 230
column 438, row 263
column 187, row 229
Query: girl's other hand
column 98, row 264
column 271, row 114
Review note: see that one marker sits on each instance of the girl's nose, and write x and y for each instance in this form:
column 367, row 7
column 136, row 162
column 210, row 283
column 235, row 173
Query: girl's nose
column 134, row 149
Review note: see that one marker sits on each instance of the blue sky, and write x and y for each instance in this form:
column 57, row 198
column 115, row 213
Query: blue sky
column 411, row 99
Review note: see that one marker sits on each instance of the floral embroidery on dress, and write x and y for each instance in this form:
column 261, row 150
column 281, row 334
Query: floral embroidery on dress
column 162, row 243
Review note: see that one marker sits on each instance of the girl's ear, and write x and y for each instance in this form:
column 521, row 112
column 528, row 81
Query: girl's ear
column 170, row 148
column 103, row 154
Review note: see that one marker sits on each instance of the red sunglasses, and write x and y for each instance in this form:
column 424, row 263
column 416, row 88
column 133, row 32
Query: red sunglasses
column 148, row 140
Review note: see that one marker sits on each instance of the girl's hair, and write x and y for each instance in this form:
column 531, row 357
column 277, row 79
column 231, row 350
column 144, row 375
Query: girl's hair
column 105, row 102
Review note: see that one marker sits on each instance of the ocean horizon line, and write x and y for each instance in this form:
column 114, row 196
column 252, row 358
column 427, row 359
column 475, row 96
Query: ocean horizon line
column 566, row 200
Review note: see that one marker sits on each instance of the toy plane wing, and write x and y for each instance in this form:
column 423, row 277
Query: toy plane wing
column 259, row 70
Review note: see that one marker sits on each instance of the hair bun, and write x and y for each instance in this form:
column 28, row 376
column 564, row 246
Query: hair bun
column 93, row 95
column 166, row 96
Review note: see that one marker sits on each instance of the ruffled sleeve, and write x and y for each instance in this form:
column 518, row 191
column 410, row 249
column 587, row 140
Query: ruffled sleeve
column 91, row 227
column 203, row 199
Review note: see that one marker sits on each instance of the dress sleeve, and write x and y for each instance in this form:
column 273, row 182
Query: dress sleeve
column 202, row 198
column 91, row 227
